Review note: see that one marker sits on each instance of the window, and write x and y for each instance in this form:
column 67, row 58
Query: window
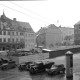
column 24, row 29
column 13, row 40
column 4, row 32
column 21, row 33
column 8, row 32
column 12, row 33
column 0, row 39
column 0, row 32
column 26, row 40
column 8, row 39
column 16, row 33
column 22, row 40
column 4, row 40
column 17, row 40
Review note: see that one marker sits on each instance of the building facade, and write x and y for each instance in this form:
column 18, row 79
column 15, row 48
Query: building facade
column 30, row 40
column 13, row 34
column 68, row 35
column 49, row 37
column 77, row 33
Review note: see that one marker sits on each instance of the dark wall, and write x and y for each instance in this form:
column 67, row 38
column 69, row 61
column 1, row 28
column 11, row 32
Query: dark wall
column 57, row 53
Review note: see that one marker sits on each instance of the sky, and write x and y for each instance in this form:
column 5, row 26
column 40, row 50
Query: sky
column 41, row 13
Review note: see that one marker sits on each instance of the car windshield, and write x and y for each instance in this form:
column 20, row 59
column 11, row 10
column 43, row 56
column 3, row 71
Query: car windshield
column 31, row 64
column 53, row 67
column 5, row 64
column 22, row 64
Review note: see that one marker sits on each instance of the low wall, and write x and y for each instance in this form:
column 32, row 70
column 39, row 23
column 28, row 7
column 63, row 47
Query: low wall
column 61, row 52
column 33, row 57
column 52, row 54
column 30, row 57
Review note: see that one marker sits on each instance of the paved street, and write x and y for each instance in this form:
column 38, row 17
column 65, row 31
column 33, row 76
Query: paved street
column 14, row 74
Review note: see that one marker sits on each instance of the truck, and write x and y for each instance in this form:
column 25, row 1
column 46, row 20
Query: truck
column 39, row 66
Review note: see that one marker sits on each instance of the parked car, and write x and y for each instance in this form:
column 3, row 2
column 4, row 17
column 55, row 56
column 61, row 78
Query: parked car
column 3, row 61
column 40, row 66
column 48, row 64
column 56, row 69
column 8, row 65
column 37, row 67
column 24, row 66
column 30, row 65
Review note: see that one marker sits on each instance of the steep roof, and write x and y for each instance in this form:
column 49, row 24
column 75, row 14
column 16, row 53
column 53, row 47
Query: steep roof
column 26, row 25
column 52, row 26
column 42, row 30
column 45, row 29
column 17, row 25
column 77, row 23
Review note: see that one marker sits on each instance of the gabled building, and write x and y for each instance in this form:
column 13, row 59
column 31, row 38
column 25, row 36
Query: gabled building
column 15, row 34
column 49, row 37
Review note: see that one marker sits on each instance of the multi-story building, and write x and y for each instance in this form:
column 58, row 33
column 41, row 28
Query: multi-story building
column 52, row 35
column 68, row 35
column 13, row 34
column 49, row 37
column 77, row 33
column 30, row 39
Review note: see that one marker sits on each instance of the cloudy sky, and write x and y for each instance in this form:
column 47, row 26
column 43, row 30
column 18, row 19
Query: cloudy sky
column 42, row 13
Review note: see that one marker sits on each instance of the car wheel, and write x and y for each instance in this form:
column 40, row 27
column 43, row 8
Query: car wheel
column 32, row 71
column 50, row 73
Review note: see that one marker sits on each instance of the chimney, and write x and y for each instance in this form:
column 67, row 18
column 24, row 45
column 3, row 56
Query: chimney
column 14, row 19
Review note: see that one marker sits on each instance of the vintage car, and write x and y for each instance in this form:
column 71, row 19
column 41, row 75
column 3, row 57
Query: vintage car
column 56, row 69
column 8, row 65
column 40, row 66
column 24, row 66
column 37, row 67
column 3, row 61
column 48, row 64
